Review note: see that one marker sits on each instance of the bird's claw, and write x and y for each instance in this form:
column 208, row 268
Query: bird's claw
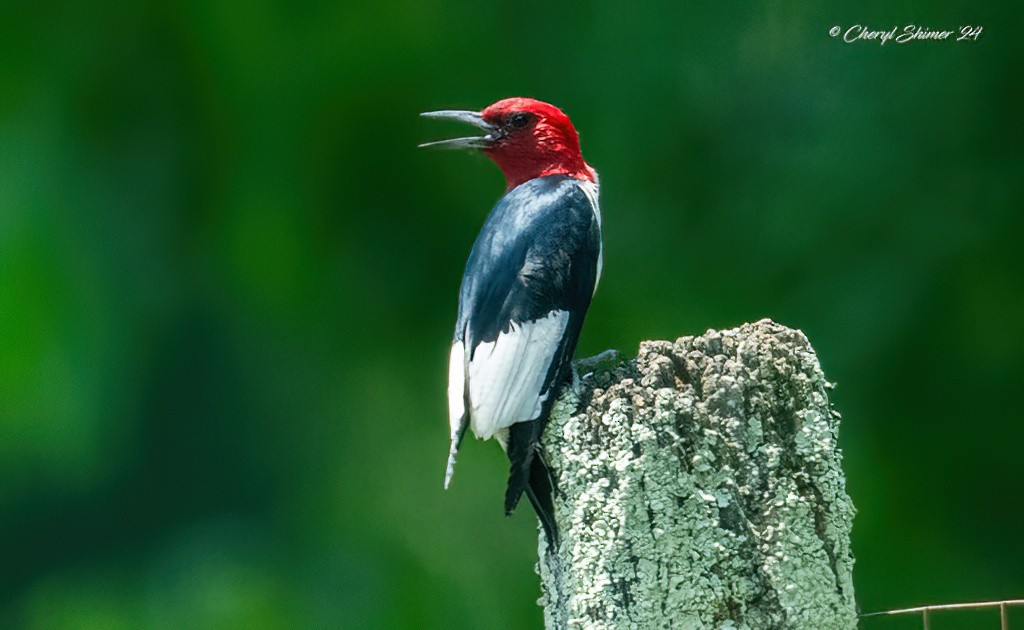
column 589, row 365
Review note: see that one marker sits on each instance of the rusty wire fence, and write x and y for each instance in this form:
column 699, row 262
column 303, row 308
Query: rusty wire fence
column 928, row 613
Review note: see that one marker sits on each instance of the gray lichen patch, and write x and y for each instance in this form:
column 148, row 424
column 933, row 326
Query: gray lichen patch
column 700, row 485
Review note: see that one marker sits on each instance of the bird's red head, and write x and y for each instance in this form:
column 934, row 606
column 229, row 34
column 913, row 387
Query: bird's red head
column 526, row 138
column 534, row 139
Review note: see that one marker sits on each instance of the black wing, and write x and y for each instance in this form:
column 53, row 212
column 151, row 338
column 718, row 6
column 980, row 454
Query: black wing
column 536, row 256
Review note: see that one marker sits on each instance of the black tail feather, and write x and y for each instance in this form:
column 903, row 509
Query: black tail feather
column 529, row 474
column 540, row 492
column 522, row 442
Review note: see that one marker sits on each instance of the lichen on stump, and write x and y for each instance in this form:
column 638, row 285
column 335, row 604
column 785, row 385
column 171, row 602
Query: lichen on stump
column 700, row 485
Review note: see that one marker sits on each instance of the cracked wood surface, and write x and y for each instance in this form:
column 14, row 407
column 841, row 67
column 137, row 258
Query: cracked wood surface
column 700, row 486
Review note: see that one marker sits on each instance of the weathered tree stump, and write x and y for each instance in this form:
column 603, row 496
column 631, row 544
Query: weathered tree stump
column 700, row 486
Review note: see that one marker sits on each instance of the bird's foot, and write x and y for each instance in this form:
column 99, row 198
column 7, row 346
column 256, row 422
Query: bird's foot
column 586, row 367
column 571, row 395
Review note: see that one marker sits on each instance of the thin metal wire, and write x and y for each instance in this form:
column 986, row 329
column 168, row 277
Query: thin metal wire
column 926, row 611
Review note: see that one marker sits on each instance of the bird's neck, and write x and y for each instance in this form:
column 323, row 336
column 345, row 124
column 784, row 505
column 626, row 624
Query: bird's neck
column 522, row 168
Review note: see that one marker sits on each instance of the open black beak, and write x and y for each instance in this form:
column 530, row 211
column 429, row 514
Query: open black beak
column 469, row 142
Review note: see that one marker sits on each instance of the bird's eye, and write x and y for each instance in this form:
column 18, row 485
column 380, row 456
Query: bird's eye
column 518, row 120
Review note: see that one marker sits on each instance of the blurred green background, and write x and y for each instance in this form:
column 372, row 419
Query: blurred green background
column 228, row 281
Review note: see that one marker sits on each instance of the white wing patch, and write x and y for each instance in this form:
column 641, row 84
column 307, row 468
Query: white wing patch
column 456, row 386
column 456, row 404
column 507, row 374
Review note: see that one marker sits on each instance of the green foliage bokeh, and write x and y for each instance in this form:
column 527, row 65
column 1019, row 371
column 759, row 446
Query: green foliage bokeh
column 228, row 281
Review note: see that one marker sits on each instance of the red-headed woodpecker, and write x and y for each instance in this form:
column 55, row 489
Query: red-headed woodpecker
column 526, row 289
